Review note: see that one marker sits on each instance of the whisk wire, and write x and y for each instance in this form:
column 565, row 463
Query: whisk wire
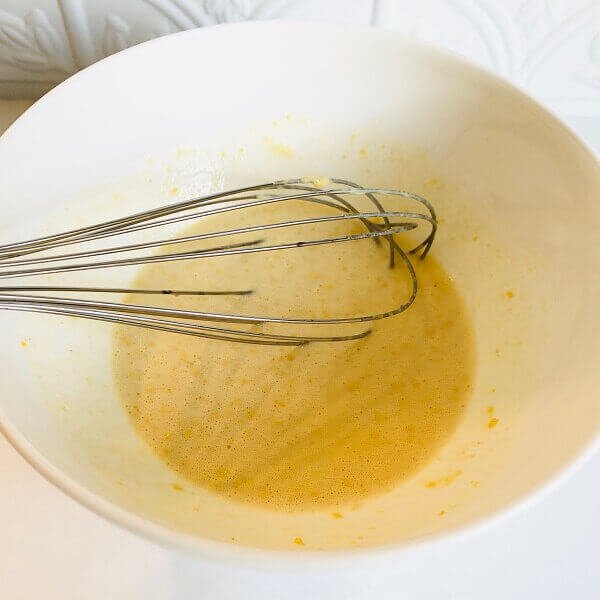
column 380, row 224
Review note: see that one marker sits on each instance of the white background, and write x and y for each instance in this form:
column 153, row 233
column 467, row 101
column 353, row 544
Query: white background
column 549, row 47
column 53, row 549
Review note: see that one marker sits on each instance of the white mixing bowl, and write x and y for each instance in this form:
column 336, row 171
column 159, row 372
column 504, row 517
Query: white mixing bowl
column 519, row 200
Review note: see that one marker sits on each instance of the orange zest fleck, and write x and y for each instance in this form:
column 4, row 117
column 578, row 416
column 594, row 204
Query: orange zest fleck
column 447, row 480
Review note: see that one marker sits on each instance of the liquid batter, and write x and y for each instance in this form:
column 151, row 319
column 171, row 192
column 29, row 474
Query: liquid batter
column 305, row 427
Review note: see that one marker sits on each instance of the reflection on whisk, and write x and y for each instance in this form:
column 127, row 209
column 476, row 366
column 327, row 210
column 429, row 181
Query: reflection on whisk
column 379, row 224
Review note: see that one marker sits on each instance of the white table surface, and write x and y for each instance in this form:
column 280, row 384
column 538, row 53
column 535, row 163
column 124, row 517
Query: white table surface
column 53, row 549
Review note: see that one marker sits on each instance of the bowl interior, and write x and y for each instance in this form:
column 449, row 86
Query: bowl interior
column 210, row 109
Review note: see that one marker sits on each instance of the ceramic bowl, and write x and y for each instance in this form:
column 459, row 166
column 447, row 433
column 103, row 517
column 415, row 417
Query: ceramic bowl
column 517, row 194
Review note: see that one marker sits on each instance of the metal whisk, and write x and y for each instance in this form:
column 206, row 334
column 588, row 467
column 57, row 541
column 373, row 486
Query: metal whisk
column 380, row 224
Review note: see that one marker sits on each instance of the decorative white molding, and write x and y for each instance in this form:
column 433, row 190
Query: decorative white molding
column 550, row 47
column 591, row 77
column 77, row 29
column 32, row 45
column 116, row 34
column 187, row 14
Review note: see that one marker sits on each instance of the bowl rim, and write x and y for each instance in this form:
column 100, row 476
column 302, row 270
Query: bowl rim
column 252, row 556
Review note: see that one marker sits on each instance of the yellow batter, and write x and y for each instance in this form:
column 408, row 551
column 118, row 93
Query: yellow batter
column 308, row 427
